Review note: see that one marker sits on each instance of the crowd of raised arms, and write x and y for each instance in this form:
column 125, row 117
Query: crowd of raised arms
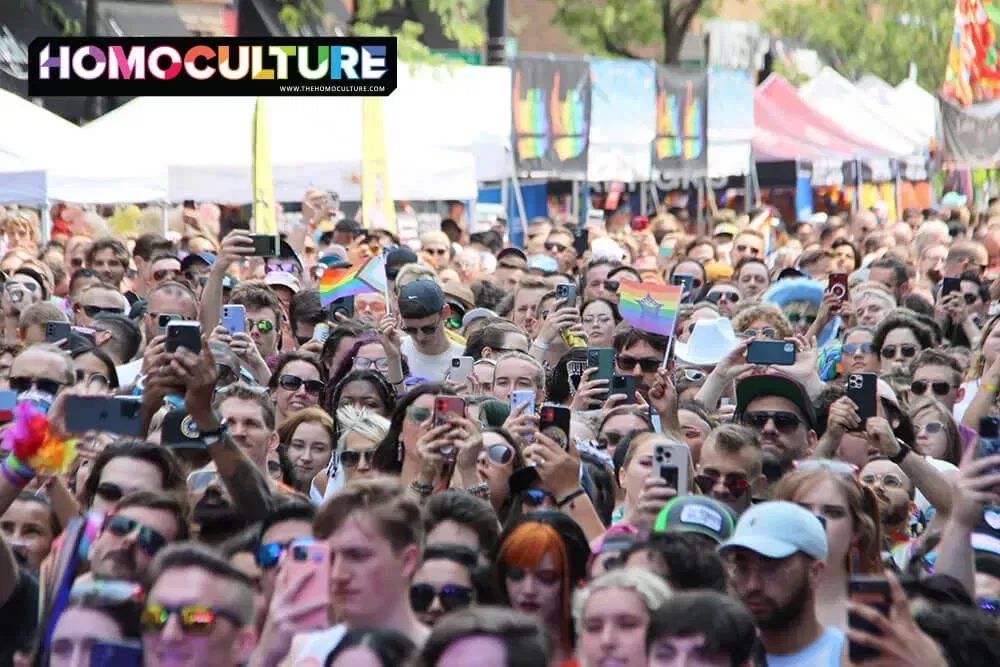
column 485, row 464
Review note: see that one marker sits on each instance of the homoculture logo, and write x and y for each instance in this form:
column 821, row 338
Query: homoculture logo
column 341, row 66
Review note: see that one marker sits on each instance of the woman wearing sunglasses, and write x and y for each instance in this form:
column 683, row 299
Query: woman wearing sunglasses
column 497, row 461
column 850, row 513
column 937, row 432
column 724, row 294
column 397, row 453
column 296, row 383
column 898, row 339
column 444, row 582
column 368, row 353
column 856, row 352
column 97, row 612
column 360, row 432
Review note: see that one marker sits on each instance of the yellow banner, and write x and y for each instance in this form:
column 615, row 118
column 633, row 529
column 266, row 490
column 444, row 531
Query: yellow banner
column 378, row 208
column 265, row 221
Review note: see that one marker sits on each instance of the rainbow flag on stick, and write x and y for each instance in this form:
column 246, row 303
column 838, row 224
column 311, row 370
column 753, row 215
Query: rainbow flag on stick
column 649, row 306
column 366, row 276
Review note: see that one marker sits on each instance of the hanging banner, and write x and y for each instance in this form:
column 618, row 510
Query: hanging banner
column 970, row 136
column 680, row 149
column 264, row 211
column 730, row 121
column 551, row 119
column 377, row 206
column 973, row 74
column 622, row 120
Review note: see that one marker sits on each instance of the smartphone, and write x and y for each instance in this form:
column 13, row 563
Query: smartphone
column 121, row 415
column 56, row 331
column 624, row 384
column 8, row 401
column 344, row 306
column 186, row 334
column 862, row 388
column 461, row 369
column 321, row 332
column 312, row 558
column 671, row 463
column 523, row 397
column 837, row 285
column 581, row 242
column 265, row 245
column 567, row 291
column 989, row 440
column 447, row 408
column 163, row 321
column 771, row 352
column 686, row 282
column 603, row 359
column 553, row 421
column 949, row 285
column 873, row 592
column 234, row 319
column 106, row 653
column 595, row 218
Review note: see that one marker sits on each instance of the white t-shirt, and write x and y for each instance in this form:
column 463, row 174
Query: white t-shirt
column 971, row 387
column 432, row 367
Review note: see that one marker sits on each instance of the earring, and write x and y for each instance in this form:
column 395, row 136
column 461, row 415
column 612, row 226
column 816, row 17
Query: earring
column 399, row 452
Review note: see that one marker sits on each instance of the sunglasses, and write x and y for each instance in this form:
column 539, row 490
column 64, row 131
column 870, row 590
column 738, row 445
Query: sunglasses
column 149, row 540
column 268, row 555
column 785, row 422
column 989, row 605
column 23, row 384
column 110, row 492
column 199, row 480
column 906, row 351
column 768, row 333
column 12, row 285
column 716, row 297
column 198, row 278
column 799, row 318
column 195, row 619
column 94, row 311
column 547, row 577
column 736, row 483
column 689, row 374
column 362, row 363
column 352, row 458
column 293, row 382
column 646, row 364
column 427, row 331
column 932, row 428
column 418, row 415
column 165, row 274
column 452, row 597
column 263, row 326
column 536, row 497
column 114, row 590
column 287, row 267
column 558, row 247
column 851, row 349
column 611, row 285
column 500, row 454
column 939, row 387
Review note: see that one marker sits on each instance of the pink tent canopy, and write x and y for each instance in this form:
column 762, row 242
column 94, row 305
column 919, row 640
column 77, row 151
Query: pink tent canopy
column 780, row 136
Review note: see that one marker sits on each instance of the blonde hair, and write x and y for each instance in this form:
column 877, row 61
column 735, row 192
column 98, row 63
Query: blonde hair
column 762, row 311
column 411, row 272
column 20, row 220
column 521, row 356
column 650, row 588
column 368, row 424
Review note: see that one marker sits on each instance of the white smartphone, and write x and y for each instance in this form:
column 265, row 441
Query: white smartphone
column 461, row 369
column 234, row 319
column 672, row 463
column 523, row 397
column 321, row 332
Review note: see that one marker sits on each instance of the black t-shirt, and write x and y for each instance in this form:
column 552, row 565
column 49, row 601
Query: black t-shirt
column 19, row 618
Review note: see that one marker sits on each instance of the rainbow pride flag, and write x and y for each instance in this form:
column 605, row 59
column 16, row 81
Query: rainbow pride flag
column 366, row 276
column 649, row 306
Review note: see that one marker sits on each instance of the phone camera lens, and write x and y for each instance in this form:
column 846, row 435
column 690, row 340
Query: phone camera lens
column 300, row 553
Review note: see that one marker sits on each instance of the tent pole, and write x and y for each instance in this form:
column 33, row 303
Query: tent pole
column 46, row 218
column 643, row 199
column 861, row 183
column 163, row 217
column 574, row 200
column 518, row 199
column 899, row 195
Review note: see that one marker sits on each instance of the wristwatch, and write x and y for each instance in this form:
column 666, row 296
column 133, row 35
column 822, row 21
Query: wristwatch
column 898, row 457
column 214, row 436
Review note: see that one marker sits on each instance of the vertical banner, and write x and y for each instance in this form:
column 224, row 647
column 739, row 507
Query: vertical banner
column 379, row 210
column 730, row 121
column 265, row 221
column 622, row 120
column 551, row 116
column 680, row 149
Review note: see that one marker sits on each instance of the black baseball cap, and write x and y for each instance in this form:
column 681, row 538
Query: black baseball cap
column 771, row 384
column 179, row 431
column 397, row 259
column 516, row 254
column 420, row 298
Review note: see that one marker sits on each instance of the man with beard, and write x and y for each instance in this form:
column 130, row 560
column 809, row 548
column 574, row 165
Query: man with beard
column 213, row 511
column 895, row 493
column 640, row 354
column 729, row 468
column 779, row 409
column 139, row 526
column 775, row 560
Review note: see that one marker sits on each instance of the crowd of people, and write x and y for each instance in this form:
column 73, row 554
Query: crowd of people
column 290, row 492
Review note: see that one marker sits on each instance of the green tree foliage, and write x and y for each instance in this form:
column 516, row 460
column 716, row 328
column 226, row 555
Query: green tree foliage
column 882, row 38
column 620, row 27
column 461, row 20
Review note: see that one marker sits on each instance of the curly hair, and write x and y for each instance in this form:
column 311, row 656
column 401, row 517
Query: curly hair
column 901, row 319
column 768, row 312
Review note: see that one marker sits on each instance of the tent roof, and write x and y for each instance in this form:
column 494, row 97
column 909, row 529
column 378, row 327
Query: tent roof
column 30, row 132
column 780, row 136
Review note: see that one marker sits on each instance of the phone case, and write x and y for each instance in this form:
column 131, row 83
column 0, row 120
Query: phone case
column 183, row 334
column 950, row 284
column 837, row 285
column 625, row 385
column 121, row 415
column 448, row 407
column 313, row 558
column 461, row 369
column 862, row 388
column 115, row 654
column 603, row 359
column 671, row 463
column 321, row 332
column 234, row 319
column 771, row 353
column 568, row 292
column 56, row 331
column 554, row 421
column 873, row 592
column 519, row 397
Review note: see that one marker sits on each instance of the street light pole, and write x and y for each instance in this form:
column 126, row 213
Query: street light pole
column 92, row 108
column 496, row 32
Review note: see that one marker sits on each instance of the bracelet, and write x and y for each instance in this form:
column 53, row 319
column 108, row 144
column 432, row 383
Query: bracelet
column 988, row 387
column 898, row 457
column 422, row 488
column 575, row 494
column 541, row 346
column 16, row 472
column 480, row 491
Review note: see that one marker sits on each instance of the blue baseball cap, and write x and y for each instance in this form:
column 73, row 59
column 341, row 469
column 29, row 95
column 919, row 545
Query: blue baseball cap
column 207, row 257
column 779, row 529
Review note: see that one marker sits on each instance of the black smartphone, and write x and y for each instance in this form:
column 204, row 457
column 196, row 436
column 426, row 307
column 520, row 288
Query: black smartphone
column 949, row 285
column 862, row 388
column 121, row 415
column 989, row 440
column 567, row 291
column 771, row 352
column 56, row 331
column 873, row 592
column 183, row 333
column 687, row 285
column 344, row 306
column 265, row 245
column 624, row 384
column 116, row 654
column 603, row 359
column 162, row 320
column 553, row 421
column 581, row 242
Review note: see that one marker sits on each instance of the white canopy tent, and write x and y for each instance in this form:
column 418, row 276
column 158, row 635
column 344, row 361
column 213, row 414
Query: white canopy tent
column 896, row 103
column 923, row 106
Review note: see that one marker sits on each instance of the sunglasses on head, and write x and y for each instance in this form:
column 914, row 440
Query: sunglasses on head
column 94, row 311
column 547, row 577
column 451, row 596
column 767, row 332
column 646, row 364
column 716, row 297
column 783, row 421
column 293, row 382
column 939, row 387
column 149, row 540
column 689, row 374
column 352, row 458
column 287, row 267
column 798, row 318
column 558, row 247
column 736, row 483
column 851, row 349
column 906, row 351
column 22, row 384
column 195, row 619
column 427, row 331
column 263, row 326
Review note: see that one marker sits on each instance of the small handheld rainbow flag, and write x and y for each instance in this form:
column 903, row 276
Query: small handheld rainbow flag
column 366, row 276
column 649, row 306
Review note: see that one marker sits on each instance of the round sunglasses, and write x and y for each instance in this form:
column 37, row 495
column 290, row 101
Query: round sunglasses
column 451, row 596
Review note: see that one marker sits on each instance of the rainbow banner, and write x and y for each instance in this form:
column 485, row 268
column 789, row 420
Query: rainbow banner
column 680, row 147
column 265, row 221
column 366, row 276
column 649, row 306
column 973, row 73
